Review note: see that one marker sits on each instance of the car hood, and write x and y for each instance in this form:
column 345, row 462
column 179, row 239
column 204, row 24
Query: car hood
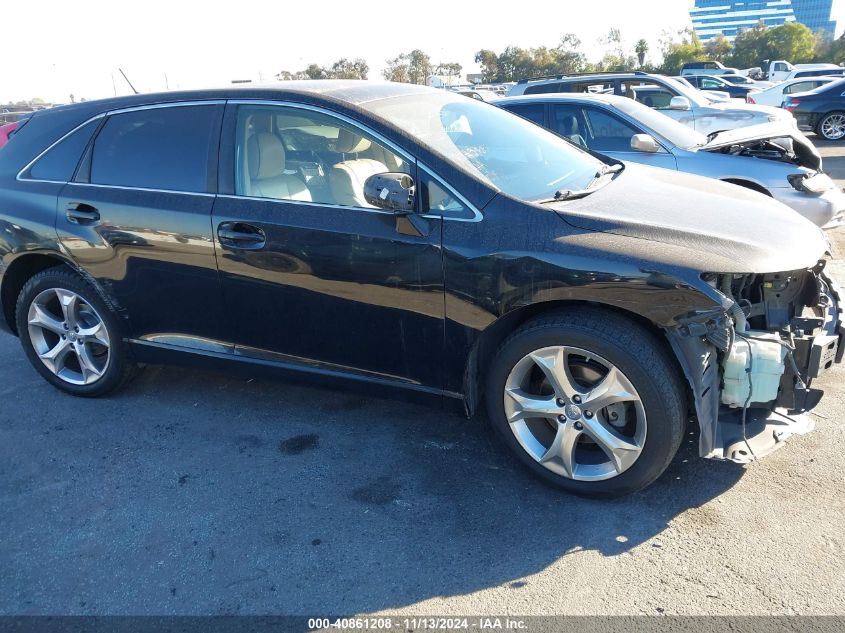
column 699, row 223
column 784, row 134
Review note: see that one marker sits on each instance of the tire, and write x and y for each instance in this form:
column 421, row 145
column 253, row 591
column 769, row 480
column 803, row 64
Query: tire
column 84, row 353
column 604, row 355
column 831, row 126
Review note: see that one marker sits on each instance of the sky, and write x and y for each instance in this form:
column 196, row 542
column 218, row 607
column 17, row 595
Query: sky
column 61, row 48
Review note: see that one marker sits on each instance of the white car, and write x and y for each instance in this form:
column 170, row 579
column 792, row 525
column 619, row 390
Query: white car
column 775, row 95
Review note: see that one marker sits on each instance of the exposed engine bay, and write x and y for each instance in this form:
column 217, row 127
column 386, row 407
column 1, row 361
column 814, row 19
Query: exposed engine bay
column 770, row 141
column 781, row 149
column 777, row 333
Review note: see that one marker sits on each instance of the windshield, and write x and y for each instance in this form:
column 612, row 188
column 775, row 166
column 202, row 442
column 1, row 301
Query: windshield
column 508, row 152
column 686, row 90
column 676, row 133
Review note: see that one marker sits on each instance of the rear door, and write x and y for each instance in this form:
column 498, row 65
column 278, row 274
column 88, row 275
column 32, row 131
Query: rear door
column 137, row 217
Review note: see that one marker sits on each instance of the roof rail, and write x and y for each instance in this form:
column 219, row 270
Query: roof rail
column 598, row 72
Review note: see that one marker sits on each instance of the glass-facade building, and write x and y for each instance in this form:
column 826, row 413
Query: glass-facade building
column 816, row 14
column 728, row 17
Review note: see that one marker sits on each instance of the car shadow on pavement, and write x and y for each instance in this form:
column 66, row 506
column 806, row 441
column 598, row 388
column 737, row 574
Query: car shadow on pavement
column 199, row 493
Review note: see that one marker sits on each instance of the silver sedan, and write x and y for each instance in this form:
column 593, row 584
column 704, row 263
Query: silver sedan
column 772, row 158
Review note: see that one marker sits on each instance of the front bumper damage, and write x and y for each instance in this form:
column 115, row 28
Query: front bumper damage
column 744, row 434
column 826, row 209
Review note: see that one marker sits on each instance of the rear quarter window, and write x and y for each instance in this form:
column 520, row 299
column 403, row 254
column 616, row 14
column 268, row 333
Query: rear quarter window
column 167, row 148
column 542, row 89
column 59, row 162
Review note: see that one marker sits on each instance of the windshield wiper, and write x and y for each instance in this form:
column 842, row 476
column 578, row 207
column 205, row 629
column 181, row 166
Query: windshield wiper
column 566, row 194
column 611, row 169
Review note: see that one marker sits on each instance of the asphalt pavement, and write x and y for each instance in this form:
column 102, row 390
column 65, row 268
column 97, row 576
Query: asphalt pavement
column 193, row 492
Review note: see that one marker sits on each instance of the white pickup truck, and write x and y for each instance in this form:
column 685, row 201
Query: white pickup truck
column 781, row 70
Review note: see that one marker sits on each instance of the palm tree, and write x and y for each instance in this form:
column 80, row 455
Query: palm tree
column 641, row 49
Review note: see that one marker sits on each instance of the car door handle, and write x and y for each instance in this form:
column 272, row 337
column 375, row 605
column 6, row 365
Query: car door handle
column 80, row 213
column 240, row 235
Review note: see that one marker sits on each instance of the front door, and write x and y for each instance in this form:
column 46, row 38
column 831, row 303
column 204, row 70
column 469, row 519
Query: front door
column 603, row 132
column 313, row 274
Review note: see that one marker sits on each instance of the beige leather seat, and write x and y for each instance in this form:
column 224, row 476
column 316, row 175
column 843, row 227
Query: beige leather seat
column 568, row 127
column 347, row 177
column 266, row 165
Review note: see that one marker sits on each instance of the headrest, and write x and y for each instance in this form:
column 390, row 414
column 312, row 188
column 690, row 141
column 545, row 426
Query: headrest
column 266, row 156
column 349, row 143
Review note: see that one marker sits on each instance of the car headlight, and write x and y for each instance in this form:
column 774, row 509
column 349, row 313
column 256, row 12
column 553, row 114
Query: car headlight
column 811, row 183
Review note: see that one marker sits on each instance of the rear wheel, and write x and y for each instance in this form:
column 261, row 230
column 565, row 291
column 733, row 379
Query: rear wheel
column 832, row 126
column 589, row 401
column 70, row 336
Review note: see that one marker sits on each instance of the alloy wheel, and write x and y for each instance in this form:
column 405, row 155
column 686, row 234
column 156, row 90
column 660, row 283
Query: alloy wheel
column 575, row 413
column 833, row 127
column 69, row 336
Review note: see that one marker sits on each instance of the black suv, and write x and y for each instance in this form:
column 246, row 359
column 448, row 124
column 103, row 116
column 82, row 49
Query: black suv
column 409, row 239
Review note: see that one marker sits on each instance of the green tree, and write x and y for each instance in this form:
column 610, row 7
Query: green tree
column 570, row 59
column 450, row 70
column 718, row 49
column 516, row 63
column 616, row 58
column 414, row 67
column 792, row 41
column 751, row 47
column 397, row 69
column 641, row 49
column 419, row 67
column 677, row 52
column 489, row 62
column 837, row 52
column 350, row 69
column 315, row 71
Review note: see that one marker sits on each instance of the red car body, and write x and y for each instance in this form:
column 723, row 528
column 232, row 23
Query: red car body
column 6, row 132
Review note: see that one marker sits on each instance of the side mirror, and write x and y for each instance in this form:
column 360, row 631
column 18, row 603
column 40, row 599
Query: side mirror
column 391, row 191
column 644, row 143
column 679, row 103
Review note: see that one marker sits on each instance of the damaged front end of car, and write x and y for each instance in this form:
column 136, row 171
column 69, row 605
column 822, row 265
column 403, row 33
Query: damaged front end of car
column 751, row 362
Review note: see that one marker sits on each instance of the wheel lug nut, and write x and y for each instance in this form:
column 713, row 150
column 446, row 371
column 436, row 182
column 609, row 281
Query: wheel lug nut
column 588, row 414
column 561, row 402
column 576, row 399
column 579, row 426
column 76, row 329
column 561, row 418
column 66, row 327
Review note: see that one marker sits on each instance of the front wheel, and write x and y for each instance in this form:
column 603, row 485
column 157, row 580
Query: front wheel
column 832, row 126
column 70, row 336
column 588, row 401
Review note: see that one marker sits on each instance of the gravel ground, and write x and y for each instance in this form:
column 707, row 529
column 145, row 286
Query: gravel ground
column 201, row 493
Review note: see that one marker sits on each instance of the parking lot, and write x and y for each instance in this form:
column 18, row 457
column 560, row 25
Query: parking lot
column 200, row 493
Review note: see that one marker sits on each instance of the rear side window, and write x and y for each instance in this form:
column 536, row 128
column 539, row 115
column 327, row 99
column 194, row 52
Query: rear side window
column 60, row 161
column 534, row 112
column 542, row 89
column 164, row 148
